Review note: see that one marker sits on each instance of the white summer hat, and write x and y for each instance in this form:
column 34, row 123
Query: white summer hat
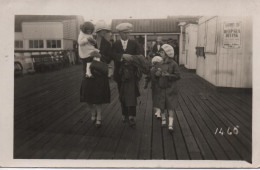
column 101, row 25
column 124, row 27
column 168, row 50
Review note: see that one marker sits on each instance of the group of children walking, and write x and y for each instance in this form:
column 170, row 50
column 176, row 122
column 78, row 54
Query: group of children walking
column 163, row 75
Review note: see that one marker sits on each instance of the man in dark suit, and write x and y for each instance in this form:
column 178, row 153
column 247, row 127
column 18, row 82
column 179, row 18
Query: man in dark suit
column 126, row 75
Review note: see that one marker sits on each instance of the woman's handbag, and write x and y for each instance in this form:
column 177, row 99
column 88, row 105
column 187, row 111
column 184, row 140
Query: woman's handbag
column 99, row 68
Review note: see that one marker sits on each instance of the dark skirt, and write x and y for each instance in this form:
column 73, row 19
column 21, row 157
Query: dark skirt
column 95, row 90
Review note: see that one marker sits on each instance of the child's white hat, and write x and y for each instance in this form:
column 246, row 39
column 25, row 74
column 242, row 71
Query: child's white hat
column 168, row 49
column 157, row 59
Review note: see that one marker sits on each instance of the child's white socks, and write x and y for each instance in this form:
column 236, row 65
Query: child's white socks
column 88, row 72
column 170, row 121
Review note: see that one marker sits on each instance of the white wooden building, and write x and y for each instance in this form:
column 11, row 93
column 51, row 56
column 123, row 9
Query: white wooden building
column 227, row 43
column 188, row 51
column 36, row 35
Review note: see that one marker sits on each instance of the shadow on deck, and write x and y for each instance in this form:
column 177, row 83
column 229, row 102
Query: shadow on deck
column 51, row 123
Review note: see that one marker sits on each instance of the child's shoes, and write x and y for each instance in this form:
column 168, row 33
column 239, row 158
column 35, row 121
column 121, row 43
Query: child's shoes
column 98, row 123
column 164, row 122
column 171, row 129
column 93, row 119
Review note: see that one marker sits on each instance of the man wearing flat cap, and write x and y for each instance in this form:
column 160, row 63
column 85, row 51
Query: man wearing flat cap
column 127, row 79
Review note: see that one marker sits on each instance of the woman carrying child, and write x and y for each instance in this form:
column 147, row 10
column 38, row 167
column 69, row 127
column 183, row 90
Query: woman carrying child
column 164, row 84
column 95, row 89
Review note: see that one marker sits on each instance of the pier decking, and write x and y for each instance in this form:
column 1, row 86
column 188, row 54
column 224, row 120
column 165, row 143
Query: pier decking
column 51, row 123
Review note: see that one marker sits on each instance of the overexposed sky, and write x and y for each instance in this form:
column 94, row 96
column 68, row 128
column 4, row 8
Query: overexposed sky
column 137, row 9
column 122, row 9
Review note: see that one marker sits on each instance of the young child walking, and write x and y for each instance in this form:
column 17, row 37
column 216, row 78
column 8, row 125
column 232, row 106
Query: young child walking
column 165, row 91
column 156, row 65
column 86, row 44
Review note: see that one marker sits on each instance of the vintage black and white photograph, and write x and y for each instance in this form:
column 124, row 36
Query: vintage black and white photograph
column 117, row 81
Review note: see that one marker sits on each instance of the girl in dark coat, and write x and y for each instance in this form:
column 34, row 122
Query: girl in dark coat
column 96, row 91
column 165, row 91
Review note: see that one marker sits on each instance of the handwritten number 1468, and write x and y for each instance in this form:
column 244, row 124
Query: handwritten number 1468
column 230, row 131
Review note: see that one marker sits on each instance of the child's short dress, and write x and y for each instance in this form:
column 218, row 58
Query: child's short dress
column 85, row 48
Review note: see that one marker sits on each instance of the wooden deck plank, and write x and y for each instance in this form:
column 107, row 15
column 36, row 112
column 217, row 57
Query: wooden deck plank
column 228, row 121
column 234, row 111
column 96, row 135
column 132, row 151
column 157, row 139
column 63, row 130
column 124, row 142
column 233, row 123
column 231, row 118
column 146, row 137
column 27, row 144
column 198, row 90
column 191, row 144
column 244, row 110
column 44, row 105
column 203, row 145
column 77, row 128
column 207, row 130
column 41, row 91
column 49, row 110
column 182, row 152
column 169, row 150
column 243, row 152
column 68, row 141
column 106, row 139
column 58, row 133
column 206, row 115
column 109, row 143
column 191, row 115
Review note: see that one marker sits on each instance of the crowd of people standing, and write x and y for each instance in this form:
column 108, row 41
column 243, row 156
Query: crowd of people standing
column 129, row 66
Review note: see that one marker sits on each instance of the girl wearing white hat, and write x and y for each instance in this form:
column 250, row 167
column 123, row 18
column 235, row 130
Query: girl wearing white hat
column 165, row 90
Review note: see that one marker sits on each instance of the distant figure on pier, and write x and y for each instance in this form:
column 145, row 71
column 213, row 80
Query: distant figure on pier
column 157, row 46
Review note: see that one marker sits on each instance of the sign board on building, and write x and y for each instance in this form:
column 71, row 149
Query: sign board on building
column 232, row 35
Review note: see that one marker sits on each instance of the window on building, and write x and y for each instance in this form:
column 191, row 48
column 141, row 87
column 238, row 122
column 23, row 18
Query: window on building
column 18, row 44
column 35, row 43
column 183, row 42
column 207, row 35
column 202, row 35
column 53, row 43
column 211, row 36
